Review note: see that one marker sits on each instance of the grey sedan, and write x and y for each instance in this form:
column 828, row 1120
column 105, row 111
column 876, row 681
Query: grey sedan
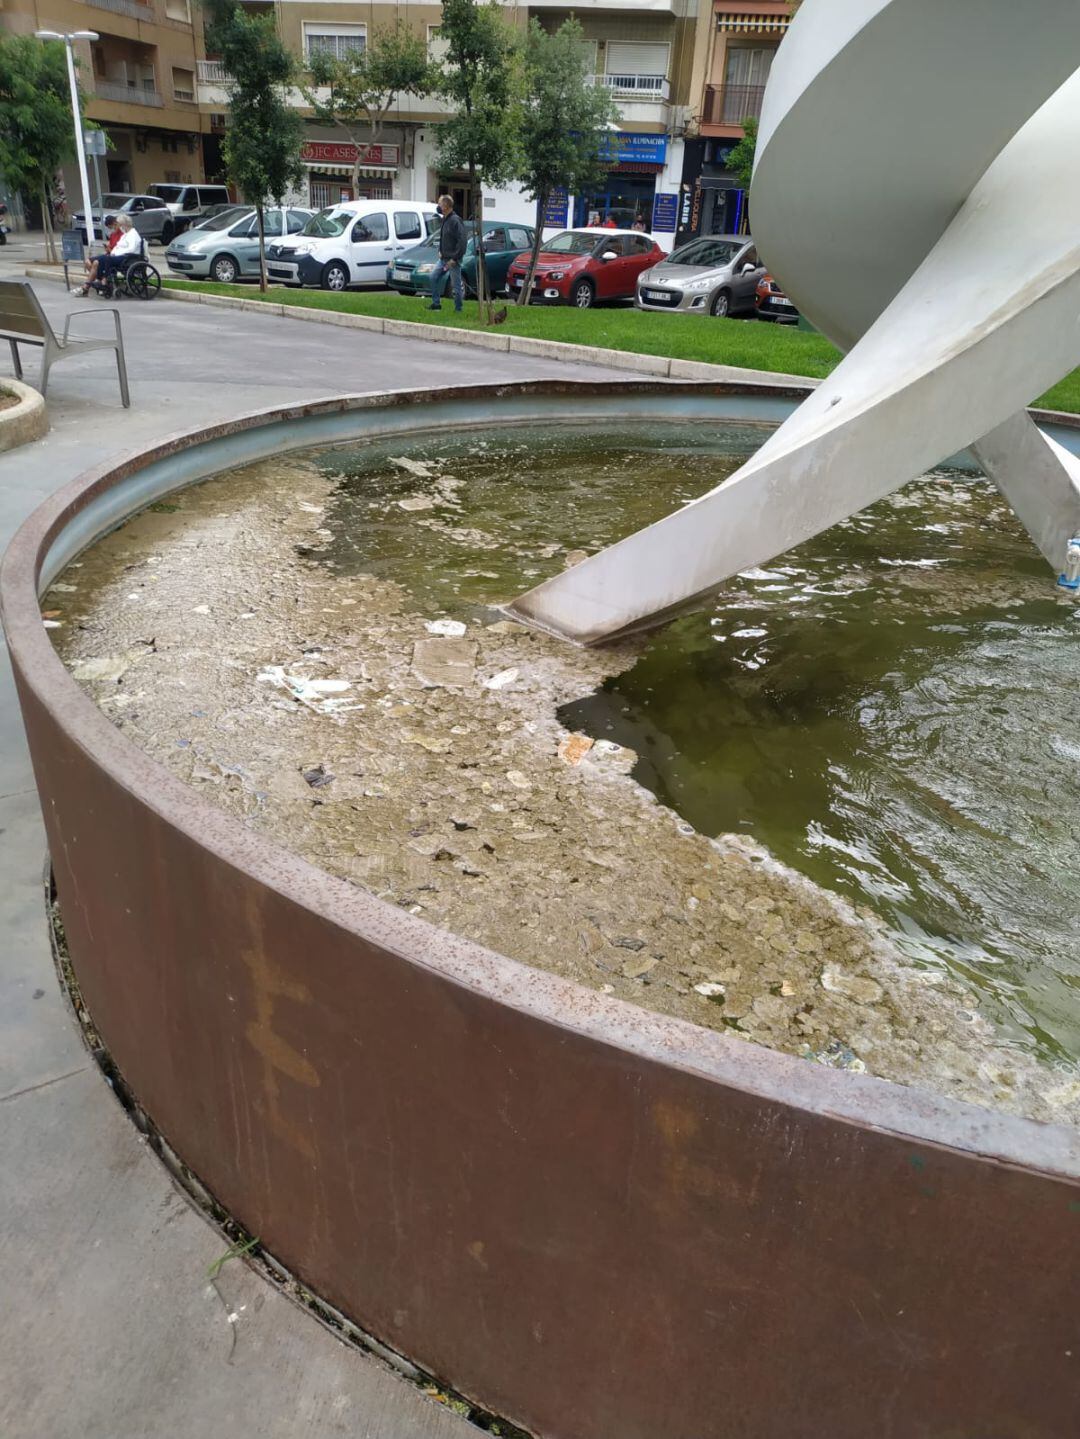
column 225, row 247
column 149, row 215
column 716, row 275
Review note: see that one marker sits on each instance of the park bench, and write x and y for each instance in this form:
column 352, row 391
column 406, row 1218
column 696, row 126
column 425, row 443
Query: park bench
column 24, row 322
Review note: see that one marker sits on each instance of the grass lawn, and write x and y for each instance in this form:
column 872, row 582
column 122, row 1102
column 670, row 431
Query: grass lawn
column 747, row 343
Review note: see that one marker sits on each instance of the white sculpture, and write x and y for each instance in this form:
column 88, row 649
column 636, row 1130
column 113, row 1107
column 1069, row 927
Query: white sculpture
column 915, row 191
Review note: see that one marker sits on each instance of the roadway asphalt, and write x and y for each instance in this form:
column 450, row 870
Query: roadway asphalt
column 108, row 1326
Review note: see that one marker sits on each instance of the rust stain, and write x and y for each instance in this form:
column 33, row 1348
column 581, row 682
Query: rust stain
column 269, row 984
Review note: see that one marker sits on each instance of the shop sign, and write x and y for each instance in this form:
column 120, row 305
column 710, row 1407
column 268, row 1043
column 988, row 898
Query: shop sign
column 665, row 212
column 623, row 148
column 319, row 152
column 557, row 209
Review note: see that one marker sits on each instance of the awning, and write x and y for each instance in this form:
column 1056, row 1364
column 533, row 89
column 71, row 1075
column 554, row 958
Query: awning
column 635, row 167
column 753, row 24
column 373, row 172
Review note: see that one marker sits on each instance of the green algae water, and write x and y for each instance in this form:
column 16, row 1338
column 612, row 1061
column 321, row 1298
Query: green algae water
column 889, row 709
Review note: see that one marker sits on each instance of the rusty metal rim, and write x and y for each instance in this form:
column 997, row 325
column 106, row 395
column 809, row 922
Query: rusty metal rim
column 860, row 1100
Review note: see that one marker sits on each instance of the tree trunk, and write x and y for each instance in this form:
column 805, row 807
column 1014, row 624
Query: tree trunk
column 525, row 292
column 483, row 302
column 46, row 220
column 263, row 284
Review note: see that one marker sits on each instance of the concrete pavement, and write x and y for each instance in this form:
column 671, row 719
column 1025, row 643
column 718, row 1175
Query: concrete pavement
column 108, row 1327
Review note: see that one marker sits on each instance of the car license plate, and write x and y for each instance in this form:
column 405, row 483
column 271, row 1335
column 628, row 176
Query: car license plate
column 784, row 304
column 400, row 274
column 655, row 294
column 517, row 284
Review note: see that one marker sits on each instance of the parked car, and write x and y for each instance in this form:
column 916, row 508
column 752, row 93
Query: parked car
column 773, row 304
column 715, row 275
column 502, row 242
column 188, row 203
column 149, row 215
column 351, row 243
column 225, row 247
column 583, row 267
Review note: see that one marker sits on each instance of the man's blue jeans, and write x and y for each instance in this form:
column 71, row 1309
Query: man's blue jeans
column 438, row 276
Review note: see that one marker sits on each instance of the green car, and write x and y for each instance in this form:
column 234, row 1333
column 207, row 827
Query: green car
column 411, row 269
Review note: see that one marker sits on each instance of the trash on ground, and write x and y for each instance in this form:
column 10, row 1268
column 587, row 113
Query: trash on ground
column 451, row 628
column 574, row 748
column 501, row 680
column 318, row 776
column 710, row 989
column 318, row 695
column 417, row 502
column 835, row 1056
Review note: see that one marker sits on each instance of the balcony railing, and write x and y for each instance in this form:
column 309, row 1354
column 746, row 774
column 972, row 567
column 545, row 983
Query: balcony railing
column 133, row 8
column 212, row 72
column 128, row 94
column 732, row 104
column 639, row 87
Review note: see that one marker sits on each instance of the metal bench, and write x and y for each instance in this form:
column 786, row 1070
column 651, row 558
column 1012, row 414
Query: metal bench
column 24, row 322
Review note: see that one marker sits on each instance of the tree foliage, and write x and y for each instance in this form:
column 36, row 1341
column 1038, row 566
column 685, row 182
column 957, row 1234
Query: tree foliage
column 262, row 141
column 480, row 75
column 363, row 88
column 564, row 120
column 741, row 158
column 37, row 129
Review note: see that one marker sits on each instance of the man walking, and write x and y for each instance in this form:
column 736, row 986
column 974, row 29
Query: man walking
column 452, row 245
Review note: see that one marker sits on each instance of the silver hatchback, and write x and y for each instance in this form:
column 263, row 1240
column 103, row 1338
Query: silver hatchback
column 714, row 275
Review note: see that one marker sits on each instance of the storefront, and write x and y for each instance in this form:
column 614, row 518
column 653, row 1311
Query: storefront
column 627, row 191
column 710, row 200
column 329, row 168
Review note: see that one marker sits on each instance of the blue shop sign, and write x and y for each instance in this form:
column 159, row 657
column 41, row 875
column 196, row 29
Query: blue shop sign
column 621, row 148
column 665, row 212
column 556, row 210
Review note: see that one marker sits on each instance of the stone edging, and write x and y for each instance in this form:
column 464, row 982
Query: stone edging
column 26, row 421
column 659, row 366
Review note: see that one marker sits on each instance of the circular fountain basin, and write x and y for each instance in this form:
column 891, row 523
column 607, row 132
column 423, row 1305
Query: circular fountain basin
column 589, row 1218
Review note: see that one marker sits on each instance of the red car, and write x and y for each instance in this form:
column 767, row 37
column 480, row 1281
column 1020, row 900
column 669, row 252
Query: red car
column 583, row 267
column 773, row 304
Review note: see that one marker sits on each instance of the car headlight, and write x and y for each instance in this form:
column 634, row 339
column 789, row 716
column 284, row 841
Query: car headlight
column 425, row 269
column 702, row 284
column 301, row 249
column 554, row 275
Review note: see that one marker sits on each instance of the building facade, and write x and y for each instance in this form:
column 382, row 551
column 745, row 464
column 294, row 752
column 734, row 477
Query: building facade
column 139, row 81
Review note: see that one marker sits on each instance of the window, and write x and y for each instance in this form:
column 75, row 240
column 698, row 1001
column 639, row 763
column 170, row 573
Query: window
column 297, row 221
column 494, row 240
column 433, row 222
column 520, row 240
column 247, row 227
column 178, row 10
column 183, row 84
column 638, row 245
column 636, row 67
column 213, row 195
column 371, row 227
column 407, row 225
column 436, row 45
column 339, row 41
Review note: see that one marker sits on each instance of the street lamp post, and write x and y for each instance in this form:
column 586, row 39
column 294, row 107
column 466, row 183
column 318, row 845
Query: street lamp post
column 68, row 37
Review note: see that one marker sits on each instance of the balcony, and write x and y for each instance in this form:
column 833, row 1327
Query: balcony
column 730, row 105
column 144, row 94
column 131, row 8
column 636, row 87
column 212, row 72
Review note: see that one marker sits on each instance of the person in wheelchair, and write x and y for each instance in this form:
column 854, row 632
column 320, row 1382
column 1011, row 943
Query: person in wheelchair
column 129, row 248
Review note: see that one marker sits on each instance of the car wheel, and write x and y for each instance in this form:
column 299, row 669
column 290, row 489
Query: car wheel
column 335, row 276
column 721, row 304
column 583, row 294
column 167, row 233
column 224, row 269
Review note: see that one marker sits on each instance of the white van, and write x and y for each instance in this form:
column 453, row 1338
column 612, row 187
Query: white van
column 188, row 203
column 351, row 243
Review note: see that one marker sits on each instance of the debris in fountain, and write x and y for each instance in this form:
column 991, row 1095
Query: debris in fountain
column 444, row 784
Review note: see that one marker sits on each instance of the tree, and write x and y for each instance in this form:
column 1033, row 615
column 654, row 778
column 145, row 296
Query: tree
column 480, row 75
column 364, row 86
column 37, row 129
column 741, row 159
column 262, row 142
column 564, row 121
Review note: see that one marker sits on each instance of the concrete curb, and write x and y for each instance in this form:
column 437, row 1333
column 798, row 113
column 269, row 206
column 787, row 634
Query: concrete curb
column 658, row 366
column 26, row 421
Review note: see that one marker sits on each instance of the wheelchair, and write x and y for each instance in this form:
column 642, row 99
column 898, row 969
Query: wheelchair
column 138, row 280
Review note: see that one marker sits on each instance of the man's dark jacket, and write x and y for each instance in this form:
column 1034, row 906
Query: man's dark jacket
column 453, row 240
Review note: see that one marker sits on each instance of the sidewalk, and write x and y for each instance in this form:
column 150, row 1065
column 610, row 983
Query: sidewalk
column 108, row 1328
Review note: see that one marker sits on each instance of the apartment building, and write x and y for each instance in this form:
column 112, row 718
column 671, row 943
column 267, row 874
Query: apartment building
column 139, row 80
column 643, row 51
column 735, row 44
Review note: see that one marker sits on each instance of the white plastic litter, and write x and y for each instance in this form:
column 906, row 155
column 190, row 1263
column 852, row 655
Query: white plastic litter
column 451, row 628
column 322, row 696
